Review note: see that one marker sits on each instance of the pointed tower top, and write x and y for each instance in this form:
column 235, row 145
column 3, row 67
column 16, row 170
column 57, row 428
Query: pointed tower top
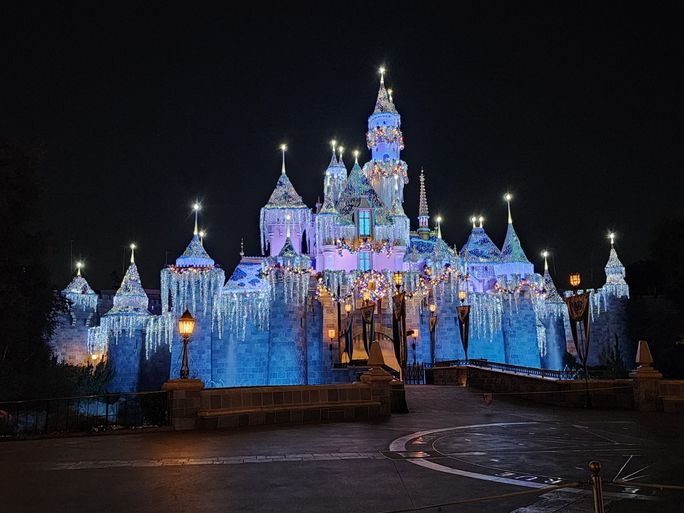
column 545, row 254
column 242, row 247
column 195, row 255
column 479, row 245
column 340, row 161
column 133, row 246
column 356, row 156
column 512, row 250
column 131, row 297
column 422, row 203
column 79, row 265
column 384, row 102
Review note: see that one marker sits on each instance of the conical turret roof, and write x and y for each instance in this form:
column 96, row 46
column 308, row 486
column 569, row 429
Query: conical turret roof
column 80, row 293
column 131, row 297
column 550, row 288
column 615, row 271
column 512, row 249
column 480, row 248
column 284, row 195
column 384, row 103
column 195, row 255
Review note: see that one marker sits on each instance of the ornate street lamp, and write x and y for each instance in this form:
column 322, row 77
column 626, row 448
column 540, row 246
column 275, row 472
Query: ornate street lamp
column 348, row 331
column 578, row 312
column 433, row 326
column 367, row 316
column 399, row 323
column 186, row 325
column 463, row 316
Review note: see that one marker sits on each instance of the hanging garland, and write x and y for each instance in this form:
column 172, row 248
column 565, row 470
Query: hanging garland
column 384, row 134
column 364, row 244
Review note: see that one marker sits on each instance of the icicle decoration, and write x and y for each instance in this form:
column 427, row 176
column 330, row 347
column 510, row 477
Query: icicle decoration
column 486, row 312
column 80, row 293
column 193, row 288
column 159, row 333
column 238, row 309
column 299, row 221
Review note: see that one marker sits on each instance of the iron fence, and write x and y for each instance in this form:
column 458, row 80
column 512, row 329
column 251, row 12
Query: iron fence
column 84, row 413
column 565, row 374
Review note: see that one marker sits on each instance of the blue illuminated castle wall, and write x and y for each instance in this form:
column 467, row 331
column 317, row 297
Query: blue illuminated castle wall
column 270, row 321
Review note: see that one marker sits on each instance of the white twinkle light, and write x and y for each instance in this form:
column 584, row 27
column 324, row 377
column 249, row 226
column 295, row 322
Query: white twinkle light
column 133, row 246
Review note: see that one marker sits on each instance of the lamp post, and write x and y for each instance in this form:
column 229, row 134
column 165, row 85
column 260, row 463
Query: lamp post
column 413, row 346
column 463, row 316
column 578, row 312
column 433, row 326
column 348, row 339
column 399, row 323
column 331, row 336
column 186, row 325
column 367, row 315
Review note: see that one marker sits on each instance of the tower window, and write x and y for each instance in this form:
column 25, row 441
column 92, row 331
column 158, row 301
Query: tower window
column 364, row 261
column 364, row 223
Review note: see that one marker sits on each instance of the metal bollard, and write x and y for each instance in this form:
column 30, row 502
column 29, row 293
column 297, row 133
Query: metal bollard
column 597, row 486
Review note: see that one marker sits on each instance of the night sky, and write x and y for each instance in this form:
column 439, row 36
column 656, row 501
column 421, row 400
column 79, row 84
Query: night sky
column 576, row 110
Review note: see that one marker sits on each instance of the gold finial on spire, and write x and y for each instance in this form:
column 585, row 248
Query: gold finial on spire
column 439, row 226
column 242, row 247
column 481, row 220
column 356, row 156
column 202, row 234
column 611, row 236
column 507, row 198
column 196, row 207
column 382, row 70
column 545, row 254
column 389, row 92
column 133, row 246
column 283, row 148
column 473, row 220
column 341, row 150
column 79, row 266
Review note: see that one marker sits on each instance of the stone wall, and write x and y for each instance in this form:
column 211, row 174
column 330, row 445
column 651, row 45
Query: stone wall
column 126, row 353
column 608, row 394
column 69, row 342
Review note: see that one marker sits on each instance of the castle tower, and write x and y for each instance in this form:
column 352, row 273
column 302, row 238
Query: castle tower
column 423, row 214
column 285, row 208
column 513, row 258
column 615, row 273
column 385, row 140
column 481, row 256
column 336, row 174
column 68, row 342
column 124, row 326
column 326, row 223
column 193, row 283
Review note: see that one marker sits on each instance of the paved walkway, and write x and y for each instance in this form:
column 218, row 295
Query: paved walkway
column 452, row 447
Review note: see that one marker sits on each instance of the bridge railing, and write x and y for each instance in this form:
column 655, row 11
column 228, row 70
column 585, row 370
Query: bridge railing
column 84, row 413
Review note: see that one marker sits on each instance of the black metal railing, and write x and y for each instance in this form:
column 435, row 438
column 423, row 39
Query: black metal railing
column 84, row 413
column 415, row 374
column 565, row 374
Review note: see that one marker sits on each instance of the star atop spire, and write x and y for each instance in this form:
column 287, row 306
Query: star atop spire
column 384, row 102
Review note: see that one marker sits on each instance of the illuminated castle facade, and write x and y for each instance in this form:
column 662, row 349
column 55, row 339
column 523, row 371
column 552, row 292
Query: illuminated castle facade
column 281, row 318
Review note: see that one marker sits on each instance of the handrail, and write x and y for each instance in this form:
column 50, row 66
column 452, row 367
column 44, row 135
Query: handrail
column 106, row 394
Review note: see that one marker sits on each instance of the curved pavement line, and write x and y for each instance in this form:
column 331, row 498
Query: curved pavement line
column 399, row 445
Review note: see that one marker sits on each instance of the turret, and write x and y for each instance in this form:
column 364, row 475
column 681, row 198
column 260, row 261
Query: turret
column 79, row 293
column 385, row 140
column 336, row 174
column 481, row 255
column 615, row 273
column 513, row 258
column 284, row 202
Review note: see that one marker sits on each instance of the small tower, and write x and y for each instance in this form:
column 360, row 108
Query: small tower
column 385, row 140
column 284, row 202
column 336, row 174
column 615, row 273
column 423, row 214
column 481, row 255
column 123, row 328
column 513, row 258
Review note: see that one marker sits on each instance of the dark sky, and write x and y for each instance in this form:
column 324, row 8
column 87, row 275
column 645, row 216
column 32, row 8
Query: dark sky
column 576, row 109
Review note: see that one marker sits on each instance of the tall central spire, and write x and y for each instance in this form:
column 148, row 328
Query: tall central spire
column 423, row 214
column 384, row 102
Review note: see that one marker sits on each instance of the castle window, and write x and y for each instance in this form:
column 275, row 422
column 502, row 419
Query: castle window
column 364, row 261
column 364, row 223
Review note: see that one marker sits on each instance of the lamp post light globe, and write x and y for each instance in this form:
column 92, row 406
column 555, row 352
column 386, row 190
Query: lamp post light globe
column 432, row 308
column 347, row 308
column 398, row 280
column 186, row 325
column 461, row 295
column 575, row 279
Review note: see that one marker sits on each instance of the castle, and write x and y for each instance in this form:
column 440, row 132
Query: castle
column 293, row 317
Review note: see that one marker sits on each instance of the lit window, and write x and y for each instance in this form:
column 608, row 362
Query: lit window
column 364, row 223
column 364, row 261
